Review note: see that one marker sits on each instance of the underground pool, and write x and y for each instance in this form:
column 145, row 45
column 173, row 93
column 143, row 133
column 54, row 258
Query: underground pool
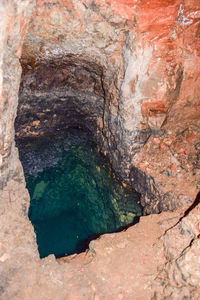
column 75, row 195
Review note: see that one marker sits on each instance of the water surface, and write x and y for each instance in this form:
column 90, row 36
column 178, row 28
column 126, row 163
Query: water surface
column 74, row 194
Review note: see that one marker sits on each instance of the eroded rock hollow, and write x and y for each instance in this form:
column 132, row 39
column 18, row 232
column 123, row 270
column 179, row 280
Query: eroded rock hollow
column 126, row 72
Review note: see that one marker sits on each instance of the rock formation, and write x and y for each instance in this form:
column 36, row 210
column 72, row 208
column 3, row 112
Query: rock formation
column 126, row 71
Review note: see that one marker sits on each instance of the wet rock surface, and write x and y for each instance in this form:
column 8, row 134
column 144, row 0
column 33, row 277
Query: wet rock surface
column 38, row 153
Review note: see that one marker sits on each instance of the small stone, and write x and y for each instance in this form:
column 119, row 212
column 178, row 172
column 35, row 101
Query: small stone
column 197, row 147
column 92, row 245
column 4, row 257
column 121, row 245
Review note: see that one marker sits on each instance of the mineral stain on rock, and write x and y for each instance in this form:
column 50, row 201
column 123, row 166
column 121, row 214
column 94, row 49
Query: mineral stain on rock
column 74, row 194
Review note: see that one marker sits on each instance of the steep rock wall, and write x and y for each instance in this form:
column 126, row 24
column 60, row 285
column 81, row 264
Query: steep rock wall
column 15, row 17
column 148, row 54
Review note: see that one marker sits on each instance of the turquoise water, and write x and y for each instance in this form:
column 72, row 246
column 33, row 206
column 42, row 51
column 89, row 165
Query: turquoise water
column 75, row 197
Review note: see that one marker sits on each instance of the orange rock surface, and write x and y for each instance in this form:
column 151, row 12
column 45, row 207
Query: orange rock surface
column 148, row 53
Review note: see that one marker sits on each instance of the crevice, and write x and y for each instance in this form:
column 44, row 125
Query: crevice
column 195, row 203
column 187, row 212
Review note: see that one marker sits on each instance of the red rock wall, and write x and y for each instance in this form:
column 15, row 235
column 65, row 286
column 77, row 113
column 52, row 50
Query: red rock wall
column 172, row 28
column 149, row 51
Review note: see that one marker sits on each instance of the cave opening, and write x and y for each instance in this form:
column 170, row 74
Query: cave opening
column 75, row 194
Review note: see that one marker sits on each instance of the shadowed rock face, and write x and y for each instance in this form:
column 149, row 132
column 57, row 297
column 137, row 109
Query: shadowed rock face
column 60, row 95
column 139, row 62
column 124, row 75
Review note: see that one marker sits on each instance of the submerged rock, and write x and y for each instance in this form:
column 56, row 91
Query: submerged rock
column 74, row 196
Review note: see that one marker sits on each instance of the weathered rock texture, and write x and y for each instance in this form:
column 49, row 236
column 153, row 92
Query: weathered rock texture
column 127, row 71
column 61, row 95
column 124, row 71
